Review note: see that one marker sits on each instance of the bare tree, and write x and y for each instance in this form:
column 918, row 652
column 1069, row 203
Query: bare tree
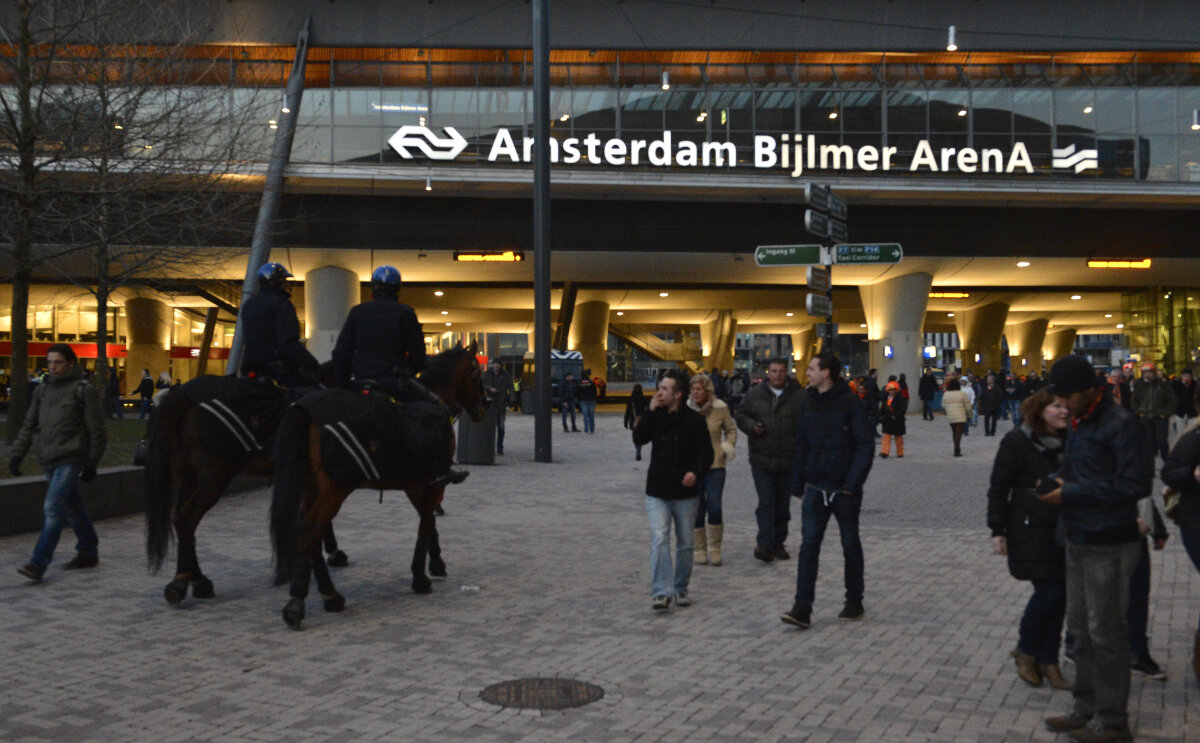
column 129, row 158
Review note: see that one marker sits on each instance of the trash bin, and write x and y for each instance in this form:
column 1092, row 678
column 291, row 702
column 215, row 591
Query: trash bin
column 477, row 441
column 527, row 401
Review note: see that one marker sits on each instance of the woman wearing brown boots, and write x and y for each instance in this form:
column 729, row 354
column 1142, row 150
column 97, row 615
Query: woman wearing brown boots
column 1181, row 473
column 1023, row 529
column 707, row 541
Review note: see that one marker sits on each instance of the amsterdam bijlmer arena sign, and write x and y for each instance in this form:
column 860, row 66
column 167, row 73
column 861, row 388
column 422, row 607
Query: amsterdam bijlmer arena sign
column 795, row 154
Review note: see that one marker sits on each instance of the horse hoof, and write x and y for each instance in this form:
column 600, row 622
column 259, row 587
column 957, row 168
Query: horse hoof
column 293, row 613
column 421, row 584
column 335, row 603
column 437, row 569
column 203, row 589
column 338, row 559
column 175, row 592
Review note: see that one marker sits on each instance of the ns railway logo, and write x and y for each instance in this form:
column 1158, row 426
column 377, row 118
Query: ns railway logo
column 794, row 154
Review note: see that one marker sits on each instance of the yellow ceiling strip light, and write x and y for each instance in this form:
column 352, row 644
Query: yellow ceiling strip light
column 507, row 256
column 948, row 295
column 1143, row 263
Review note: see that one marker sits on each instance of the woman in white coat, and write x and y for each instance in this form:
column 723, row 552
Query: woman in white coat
column 958, row 411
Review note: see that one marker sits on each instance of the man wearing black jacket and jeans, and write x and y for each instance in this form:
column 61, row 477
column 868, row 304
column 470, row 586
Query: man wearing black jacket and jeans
column 1103, row 473
column 680, row 455
column 834, row 448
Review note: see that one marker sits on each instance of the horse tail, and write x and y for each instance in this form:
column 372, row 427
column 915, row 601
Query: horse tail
column 290, row 459
column 159, row 494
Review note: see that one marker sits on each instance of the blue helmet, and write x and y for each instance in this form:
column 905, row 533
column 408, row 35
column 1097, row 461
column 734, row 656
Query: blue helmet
column 272, row 272
column 386, row 276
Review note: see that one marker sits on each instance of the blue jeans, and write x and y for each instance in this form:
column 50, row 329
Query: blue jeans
column 661, row 513
column 774, row 507
column 146, row 403
column 1138, row 613
column 63, row 504
column 815, row 511
column 116, row 401
column 1191, row 543
column 714, row 486
column 1041, row 625
column 588, row 408
column 501, row 414
column 1098, row 578
column 1014, row 408
column 568, row 408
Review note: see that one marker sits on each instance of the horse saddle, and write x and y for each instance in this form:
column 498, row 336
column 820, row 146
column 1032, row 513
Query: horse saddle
column 369, row 436
column 240, row 415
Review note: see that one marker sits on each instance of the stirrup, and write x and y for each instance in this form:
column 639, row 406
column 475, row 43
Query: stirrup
column 451, row 477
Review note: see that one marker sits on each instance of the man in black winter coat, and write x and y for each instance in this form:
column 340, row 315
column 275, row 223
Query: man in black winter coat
column 681, row 452
column 834, row 448
column 927, row 390
column 1103, row 473
column 272, row 333
column 382, row 339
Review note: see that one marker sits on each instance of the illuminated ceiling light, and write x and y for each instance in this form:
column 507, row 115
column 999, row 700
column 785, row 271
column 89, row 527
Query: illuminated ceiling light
column 1087, row 109
column 118, row 127
column 666, row 81
column 1120, row 325
column 1076, row 296
column 664, row 294
column 1108, row 314
column 620, row 313
column 862, row 325
column 948, row 295
column 952, row 40
column 449, row 324
column 489, row 256
column 445, row 312
column 962, row 112
column 789, row 314
column 1196, row 119
column 1022, row 264
column 564, row 117
column 949, row 314
column 833, row 114
column 428, row 184
column 438, row 293
column 1143, row 263
column 421, row 121
column 1050, row 325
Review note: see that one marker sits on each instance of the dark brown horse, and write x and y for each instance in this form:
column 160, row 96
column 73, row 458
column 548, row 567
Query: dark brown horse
column 306, row 498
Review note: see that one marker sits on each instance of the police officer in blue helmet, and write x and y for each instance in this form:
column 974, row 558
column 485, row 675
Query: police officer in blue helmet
column 273, row 349
column 381, row 342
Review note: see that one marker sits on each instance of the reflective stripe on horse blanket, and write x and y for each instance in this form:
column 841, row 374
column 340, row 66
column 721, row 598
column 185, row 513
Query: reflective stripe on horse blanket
column 241, row 415
column 368, row 437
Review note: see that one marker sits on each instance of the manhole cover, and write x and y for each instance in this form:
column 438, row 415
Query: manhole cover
column 541, row 693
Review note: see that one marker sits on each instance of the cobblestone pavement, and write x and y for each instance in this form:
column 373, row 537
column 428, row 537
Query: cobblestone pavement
column 549, row 576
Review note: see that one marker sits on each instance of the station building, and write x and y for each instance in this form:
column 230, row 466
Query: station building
column 1043, row 179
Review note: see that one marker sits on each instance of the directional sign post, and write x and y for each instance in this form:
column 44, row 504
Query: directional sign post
column 816, row 223
column 790, row 255
column 818, row 279
column 818, row 305
column 838, row 232
column 816, row 196
column 867, row 253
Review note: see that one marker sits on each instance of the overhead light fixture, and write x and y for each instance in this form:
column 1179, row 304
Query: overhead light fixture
column 449, row 324
column 789, row 314
column 862, row 325
column 664, row 294
column 428, row 183
column 620, row 313
column 1120, row 325
column 489, row 256
column 1108, row 314
column 438, row 293
column 118, row 127
column 445, row 312
column 952, row 40
column 1076, row 296
column 1022, row 264
column 1143, row 263
column 833, row 114
column 564, row 117
column 949, row 314
column 421, row 120
column 1087, row 109
column 948, row 295
column 666, row 81
column 1196, row 119
column 962, row 112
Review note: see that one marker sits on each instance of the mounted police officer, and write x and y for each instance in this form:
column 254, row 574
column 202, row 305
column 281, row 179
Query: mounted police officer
column 272, row 334
column 382, row 340
column 382, row 345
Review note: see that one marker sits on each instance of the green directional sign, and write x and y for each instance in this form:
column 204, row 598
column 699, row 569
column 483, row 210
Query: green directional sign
column 867, row 253
column 787, row 255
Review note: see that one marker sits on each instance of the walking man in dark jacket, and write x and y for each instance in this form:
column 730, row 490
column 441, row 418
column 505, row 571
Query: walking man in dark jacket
column 65, row 425
column 834, row 445
column 927, row 390
column 1104, row 471
column 767, row 415
column 681, row 452
column 499, row 386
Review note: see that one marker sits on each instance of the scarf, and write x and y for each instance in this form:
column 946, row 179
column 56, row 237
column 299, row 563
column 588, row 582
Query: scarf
column 701, row 410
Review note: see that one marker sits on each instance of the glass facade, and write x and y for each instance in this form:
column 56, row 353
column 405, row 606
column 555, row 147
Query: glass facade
column 1136, row 115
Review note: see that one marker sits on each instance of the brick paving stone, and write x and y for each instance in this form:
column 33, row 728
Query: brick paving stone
column 560, row 555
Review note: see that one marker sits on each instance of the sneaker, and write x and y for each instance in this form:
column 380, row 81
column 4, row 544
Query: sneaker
column 660, row 603
column 780, row 553
column 1066, row 723
column 1102, row 735
column 1145, row 665
column 31, row 571
column 764, row 554
column 338, row 559
column 81, row 561
column 851, row 611
column 682, row 599
column 800, row 616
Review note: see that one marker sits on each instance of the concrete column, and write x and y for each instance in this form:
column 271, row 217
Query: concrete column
column 329, row 293
column 979, row 334
column 589, row 332
column 1058, row 343
column 1025, row 341
column 717, row 339
column 895, row 312
column 803, row 349
column 148, row 330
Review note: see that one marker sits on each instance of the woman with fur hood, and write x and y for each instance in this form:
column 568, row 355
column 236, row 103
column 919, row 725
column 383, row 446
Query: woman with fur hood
column 703, row 399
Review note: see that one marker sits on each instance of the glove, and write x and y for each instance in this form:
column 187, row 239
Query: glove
column 14, row 466
column 88, row 474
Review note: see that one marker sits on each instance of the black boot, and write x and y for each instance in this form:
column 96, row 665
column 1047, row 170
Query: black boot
column 452, row 477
